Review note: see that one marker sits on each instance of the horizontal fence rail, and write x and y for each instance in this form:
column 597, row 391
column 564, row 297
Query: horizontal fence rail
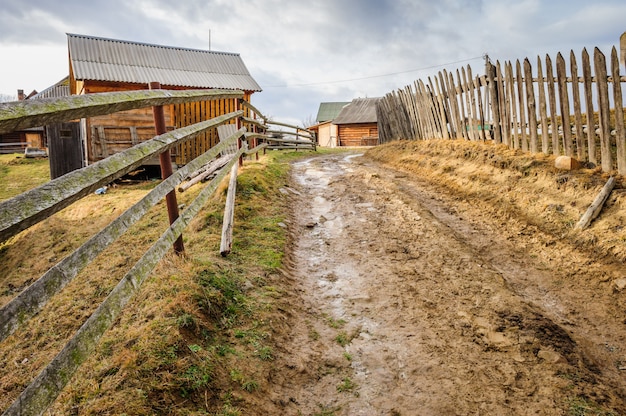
column 35, row 113
column 31, row 207
column 554, row 108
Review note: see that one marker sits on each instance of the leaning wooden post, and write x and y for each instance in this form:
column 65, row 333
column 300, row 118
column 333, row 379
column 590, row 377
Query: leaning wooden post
column 229, row 213
column 165, row 160
column 594, row 209
column 239, row 140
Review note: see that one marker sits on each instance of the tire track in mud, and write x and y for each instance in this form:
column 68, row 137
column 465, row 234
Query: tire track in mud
column 394, row 312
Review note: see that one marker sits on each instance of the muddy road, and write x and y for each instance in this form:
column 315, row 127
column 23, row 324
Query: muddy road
column 401, row 302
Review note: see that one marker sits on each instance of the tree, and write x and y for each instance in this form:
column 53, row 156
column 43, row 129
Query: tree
column 6, row 97
column 309, row 121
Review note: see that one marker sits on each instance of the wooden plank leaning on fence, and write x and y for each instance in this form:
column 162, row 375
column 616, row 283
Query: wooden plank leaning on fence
column 226, row 242
column 33, row 298
column 44, row 389
column 596, row 206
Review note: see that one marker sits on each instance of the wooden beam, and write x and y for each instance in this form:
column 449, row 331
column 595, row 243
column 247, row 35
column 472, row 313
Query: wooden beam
column 594, row 209
column 229, row 214
column 253, row 108
column 21, row 115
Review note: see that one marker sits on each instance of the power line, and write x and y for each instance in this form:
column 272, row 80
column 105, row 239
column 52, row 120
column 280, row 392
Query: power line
column 374, row 76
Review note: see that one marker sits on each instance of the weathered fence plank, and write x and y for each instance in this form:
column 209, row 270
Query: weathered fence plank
column 532, row 107
column 21, row 115
column 619, row 114
column 564, row 100
column 494, row 101
column 596, row 206
column 603, row 109
column 522, row 105
column 229, row 214
column 581, row 151
column 543, row 114
column 554, row 125
column 505, row 120
column 591, row 129
column 512, row 106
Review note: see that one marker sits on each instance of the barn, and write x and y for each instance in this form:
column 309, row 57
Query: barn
column 324, row 129
column 357, row 124
column 103, row 65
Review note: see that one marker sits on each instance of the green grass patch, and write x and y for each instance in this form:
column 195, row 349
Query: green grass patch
column 18, row 174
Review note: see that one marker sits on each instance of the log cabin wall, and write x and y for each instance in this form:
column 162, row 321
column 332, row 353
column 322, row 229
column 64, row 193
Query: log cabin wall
column 190, row 113
column 365, row 134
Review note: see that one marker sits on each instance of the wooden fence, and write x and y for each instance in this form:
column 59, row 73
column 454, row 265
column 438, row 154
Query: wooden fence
column 38, row 204
column 575, row 112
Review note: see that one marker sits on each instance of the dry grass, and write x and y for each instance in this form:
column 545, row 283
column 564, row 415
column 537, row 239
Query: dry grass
column 198, row 321
column 521, row 189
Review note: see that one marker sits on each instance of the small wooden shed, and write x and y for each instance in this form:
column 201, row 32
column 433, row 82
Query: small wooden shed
column 325, row 131
column 357, row 123
column 104, row 65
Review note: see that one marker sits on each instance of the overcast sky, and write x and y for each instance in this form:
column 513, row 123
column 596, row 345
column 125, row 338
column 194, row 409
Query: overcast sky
column 306, row 52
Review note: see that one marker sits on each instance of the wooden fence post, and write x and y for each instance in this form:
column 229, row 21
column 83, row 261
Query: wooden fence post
column 238, row 123
column 165, row 160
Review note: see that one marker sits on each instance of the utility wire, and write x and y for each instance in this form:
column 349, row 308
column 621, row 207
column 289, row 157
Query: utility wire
column 374, row 76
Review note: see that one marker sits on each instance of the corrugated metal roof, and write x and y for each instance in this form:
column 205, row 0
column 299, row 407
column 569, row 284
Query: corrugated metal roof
column 100, row 59
column 360, row 110
column 60, row 89
column 328, row 111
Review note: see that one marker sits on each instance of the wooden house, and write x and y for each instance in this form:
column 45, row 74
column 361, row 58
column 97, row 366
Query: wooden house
column 324, row 129
column 103, row 65
column 357, row 124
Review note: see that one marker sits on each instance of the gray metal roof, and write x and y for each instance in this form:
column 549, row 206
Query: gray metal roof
column 100, row 59
column 60, row 89
column 328, row 111
column 360, row 110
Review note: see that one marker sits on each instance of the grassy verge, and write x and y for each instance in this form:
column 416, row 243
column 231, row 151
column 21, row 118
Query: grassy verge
column 197, row 340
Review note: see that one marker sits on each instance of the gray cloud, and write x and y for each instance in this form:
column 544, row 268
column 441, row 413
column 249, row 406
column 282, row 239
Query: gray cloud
column 319, row 41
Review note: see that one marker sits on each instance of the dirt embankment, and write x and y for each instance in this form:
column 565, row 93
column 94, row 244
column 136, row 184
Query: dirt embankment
column 447, row 278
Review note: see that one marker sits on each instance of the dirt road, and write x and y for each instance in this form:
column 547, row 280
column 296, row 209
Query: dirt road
column 402, row 303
